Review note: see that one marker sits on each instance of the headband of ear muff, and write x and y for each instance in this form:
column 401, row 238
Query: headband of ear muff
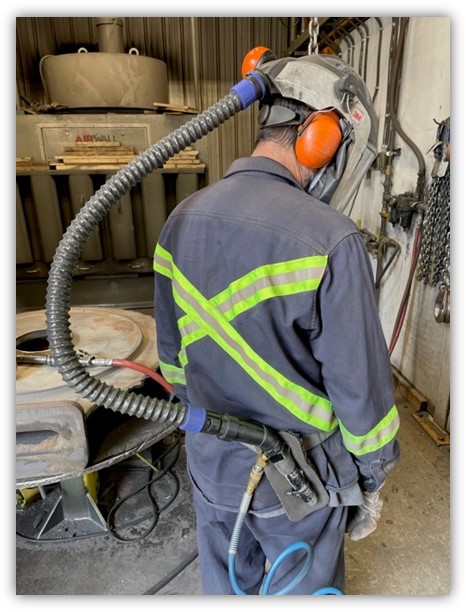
column 277, row 116
column 318, row 139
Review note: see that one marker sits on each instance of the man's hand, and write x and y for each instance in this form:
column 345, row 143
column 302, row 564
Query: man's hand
column 367, row 516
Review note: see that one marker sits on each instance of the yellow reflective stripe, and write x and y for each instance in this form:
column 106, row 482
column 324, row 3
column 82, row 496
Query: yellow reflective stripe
column 376, row 438
column 172, row 373
column 306, row 406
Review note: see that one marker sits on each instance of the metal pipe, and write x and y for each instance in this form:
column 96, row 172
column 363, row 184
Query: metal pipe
column 366, row 46
column 379, row 53
column 386, row 243
column 23, row 357
column 350, row 47
column 361, row 52
column 195, row 48
column 110, row 34
column 389, row 132
column 394, row 118
column 387, row 148
column 353, row 43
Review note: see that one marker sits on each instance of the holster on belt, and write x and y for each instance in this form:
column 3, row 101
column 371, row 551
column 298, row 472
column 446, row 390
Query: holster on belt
column 295, row 507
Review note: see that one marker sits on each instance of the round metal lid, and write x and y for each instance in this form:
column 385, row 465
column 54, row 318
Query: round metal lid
column 107, row 333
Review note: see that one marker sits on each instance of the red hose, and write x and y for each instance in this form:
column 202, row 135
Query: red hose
column 123, row 363
column 404, row 302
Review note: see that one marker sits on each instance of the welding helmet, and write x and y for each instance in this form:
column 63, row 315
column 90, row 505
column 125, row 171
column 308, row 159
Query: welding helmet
column 338, row 136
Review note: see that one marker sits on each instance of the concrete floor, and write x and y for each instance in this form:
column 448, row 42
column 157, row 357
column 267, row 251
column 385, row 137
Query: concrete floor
column 409, row 553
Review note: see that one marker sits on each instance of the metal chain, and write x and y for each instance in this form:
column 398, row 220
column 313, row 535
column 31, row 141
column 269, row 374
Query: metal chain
column 442, row 303
column 434, row 259
column 313, row 36
column 436, row 232
column 445, row 280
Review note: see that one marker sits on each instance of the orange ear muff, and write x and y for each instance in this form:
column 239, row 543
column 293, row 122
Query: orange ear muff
column 255, row 58
column 319, row 138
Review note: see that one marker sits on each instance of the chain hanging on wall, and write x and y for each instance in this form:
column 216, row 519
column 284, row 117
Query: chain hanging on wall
column 434, row 260
column 442, row 302
column 313, row 36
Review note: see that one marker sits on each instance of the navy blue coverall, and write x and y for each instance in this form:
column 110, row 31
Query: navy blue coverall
column 265, row 309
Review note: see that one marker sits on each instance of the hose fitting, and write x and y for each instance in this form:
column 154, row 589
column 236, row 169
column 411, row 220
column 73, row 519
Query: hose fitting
column 256, row 473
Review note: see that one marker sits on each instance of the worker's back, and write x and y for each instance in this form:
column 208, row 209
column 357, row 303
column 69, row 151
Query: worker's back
column 250, row 252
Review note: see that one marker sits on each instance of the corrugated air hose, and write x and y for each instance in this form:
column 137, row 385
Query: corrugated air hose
column 60, row 277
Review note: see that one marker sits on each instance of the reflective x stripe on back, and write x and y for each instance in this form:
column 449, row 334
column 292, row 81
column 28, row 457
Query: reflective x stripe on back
column 212, row 318
column 272, row 280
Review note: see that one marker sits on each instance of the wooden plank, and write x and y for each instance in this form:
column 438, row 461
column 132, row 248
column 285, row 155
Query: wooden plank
column 186, row 162
column 187, row 154
column 89, row 167
column 178, row 108
column 24, row 169
column 183, row 165
column 98, row 159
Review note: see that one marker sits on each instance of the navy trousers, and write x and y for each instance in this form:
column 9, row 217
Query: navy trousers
column 264, row 539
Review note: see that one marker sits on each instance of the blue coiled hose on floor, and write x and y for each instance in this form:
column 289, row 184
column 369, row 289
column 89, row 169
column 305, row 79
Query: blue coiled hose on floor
column 270, row 574
column 256, row 475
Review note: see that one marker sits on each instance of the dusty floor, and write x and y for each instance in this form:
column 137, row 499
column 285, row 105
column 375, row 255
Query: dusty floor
column 408, row 555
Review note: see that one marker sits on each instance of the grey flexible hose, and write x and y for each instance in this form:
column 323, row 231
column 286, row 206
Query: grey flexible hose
column 60, row 277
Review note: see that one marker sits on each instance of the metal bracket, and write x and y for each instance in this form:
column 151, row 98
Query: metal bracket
column 74, row 511
column 438, row 435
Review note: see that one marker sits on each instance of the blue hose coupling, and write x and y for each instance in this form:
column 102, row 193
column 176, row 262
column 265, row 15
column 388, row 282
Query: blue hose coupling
column 194, row 420
column 250, row 89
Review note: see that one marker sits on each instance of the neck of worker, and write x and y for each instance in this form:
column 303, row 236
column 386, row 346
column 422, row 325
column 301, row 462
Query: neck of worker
column 286, row 157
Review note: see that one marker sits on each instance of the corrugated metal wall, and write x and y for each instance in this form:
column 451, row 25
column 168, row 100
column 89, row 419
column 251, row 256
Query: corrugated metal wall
column 203, row 57
column 123, row 243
